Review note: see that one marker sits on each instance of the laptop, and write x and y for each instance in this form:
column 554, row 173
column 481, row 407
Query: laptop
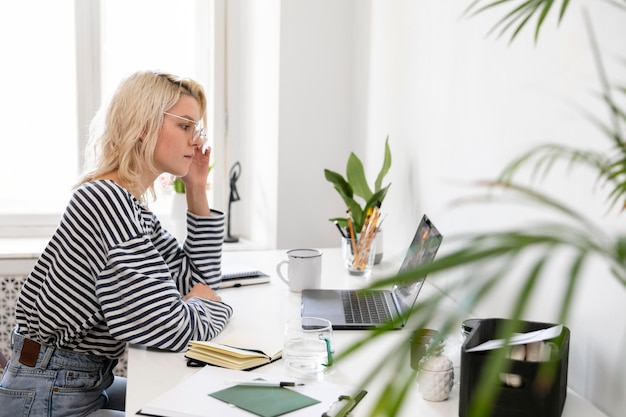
column 369, row 309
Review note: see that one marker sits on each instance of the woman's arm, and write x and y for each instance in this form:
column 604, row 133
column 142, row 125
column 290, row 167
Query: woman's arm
column 142, row 305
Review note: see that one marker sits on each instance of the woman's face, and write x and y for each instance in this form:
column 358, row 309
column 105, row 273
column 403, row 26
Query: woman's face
column 175, row 146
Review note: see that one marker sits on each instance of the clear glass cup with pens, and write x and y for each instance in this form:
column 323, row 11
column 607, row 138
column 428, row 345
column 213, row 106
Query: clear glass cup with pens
column 359, row 249
column 358, row 257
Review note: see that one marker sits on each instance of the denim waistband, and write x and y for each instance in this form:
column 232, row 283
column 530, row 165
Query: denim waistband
column 51, row 357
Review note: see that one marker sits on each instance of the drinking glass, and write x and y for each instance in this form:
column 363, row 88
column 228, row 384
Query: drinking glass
column 308, row 347
column 358, row 255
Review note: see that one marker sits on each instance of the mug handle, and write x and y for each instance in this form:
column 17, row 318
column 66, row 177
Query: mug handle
column 278, row 271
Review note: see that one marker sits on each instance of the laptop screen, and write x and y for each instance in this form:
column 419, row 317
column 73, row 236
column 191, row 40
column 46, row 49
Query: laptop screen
column 423, row 249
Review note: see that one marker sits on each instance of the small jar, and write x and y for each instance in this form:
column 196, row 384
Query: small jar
column 420, row 341
column 436, row 378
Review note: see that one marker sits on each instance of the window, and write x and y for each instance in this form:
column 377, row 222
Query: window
column 167, row 35
column 57, row 75
column 39, row 158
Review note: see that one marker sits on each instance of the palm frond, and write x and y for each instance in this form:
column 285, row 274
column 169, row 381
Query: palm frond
column 574, row 276
column 477, row 264
column 519, row 16
column 572, row 243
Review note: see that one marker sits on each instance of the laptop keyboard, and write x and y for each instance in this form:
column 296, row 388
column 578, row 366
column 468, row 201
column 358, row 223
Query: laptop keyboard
column 365, row 307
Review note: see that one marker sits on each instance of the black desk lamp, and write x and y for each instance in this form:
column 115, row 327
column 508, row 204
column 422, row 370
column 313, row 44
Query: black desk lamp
column 235, row 172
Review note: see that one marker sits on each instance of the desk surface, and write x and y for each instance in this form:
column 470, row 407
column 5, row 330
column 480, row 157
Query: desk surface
column 268, row 306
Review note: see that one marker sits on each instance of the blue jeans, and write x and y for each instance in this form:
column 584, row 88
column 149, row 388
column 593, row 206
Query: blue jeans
column 60, row 382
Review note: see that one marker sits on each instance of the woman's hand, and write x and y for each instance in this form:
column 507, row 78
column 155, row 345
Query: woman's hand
column 195, row 183
column 202, row 291
column 199, row 169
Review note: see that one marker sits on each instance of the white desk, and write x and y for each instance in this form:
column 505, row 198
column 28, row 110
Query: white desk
column 268, row 306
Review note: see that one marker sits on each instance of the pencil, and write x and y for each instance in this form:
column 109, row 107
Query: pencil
column 367, row 236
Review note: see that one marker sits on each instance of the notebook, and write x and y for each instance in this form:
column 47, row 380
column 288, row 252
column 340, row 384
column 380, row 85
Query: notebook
column 359, row 309
column 237, row 275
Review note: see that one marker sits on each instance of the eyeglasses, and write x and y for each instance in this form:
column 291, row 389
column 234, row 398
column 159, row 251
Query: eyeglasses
column 198, row 132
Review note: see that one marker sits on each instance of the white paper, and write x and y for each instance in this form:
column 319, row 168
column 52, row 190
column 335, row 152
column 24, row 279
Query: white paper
column 190, row 398
column 521, row 339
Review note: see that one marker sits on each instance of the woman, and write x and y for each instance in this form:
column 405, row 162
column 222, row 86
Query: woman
column 111, row 275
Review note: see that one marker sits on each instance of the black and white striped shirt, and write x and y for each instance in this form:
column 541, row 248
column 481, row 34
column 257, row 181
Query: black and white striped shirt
column 111, row 275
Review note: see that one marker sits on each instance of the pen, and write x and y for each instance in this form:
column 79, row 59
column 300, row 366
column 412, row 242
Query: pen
column 268, row 384
column 340, row 229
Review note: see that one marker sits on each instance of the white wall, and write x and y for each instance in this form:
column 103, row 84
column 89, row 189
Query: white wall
column 253, row 30
column 290, row 116
column 464, row 105
column 457, row 105
column 316, row 113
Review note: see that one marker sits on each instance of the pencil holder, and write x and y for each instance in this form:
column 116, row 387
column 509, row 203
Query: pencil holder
column 358, row 255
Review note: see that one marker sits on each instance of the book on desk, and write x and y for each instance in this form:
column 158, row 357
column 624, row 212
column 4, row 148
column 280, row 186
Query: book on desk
column 242, row 346
column 231, row 357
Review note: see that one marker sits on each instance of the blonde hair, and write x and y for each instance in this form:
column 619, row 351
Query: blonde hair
column 123, row 135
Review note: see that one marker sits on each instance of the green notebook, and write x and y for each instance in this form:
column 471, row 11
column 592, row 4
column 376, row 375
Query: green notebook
column 264, row 401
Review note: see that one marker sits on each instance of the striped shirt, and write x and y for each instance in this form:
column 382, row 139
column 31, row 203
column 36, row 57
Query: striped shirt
column 111, row 275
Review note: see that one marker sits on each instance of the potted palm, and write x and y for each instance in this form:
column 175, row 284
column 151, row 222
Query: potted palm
column 357, row 194
column 535, row 246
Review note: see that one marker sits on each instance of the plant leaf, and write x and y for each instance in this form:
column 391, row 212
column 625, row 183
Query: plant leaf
column 179, row 185
column 377, row 198
column 356, row 177
column 385, row 168
column 340, row 183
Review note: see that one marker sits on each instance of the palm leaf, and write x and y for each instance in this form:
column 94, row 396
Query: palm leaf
column 519, row 16
column 572, row 283
column 610, row 169
column 533, row 246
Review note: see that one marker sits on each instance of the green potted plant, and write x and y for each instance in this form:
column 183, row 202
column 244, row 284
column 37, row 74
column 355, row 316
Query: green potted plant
column 355, row 191
column 491, row 254
column 361, row 200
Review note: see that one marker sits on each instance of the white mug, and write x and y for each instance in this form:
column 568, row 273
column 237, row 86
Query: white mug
column 304, row 269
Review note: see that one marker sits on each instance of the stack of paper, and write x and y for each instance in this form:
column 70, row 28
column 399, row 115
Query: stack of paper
column 216, row 391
